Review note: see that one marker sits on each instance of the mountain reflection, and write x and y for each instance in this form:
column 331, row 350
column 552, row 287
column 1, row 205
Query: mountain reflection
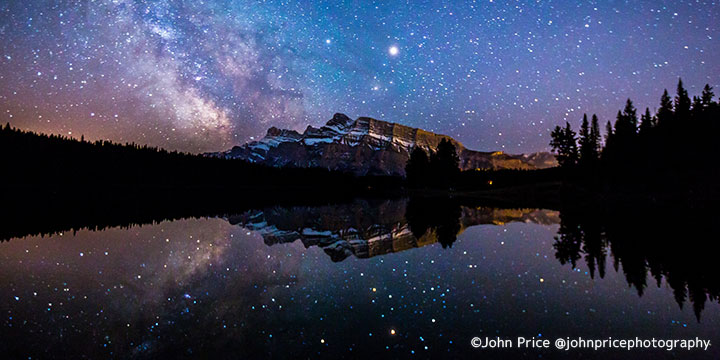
column 208, row 287
column 368, row 228
column 637, row 244
column 662, row 245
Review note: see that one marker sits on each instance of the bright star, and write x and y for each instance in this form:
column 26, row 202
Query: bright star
column 393, row 50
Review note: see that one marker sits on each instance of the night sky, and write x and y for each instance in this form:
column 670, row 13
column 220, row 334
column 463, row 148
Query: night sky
column 206, row 75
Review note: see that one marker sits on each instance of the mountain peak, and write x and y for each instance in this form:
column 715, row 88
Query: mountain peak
column 274, row 132
column 339, row 121
column 367, row 146
column 340, row 118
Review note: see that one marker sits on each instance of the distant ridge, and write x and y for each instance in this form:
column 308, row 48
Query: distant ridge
column 367, row 146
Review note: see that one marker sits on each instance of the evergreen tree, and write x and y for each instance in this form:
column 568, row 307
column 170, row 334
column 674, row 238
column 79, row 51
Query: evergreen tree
column 564, row 143
column 571, row 143
column 445, row 164
column 665, row 112
column 630, row 114
column 588, row 150
column 646, row 123
column 625, row 128
column 556, row 139
column 707, row 96
column 618, row 120
column 697, row 107
column 682, row 101
column 584, row 133
column 595, row 135
column 609, row 148
column 417, row 168
column 608, row 132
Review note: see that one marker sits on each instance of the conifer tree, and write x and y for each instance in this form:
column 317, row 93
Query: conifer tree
column 608, row 132
column 707, row 96
column 697, row 107
column 682, row 101
column 665, row 112
column 588, row 142
column 445, row 164
column 571, row 143
column 564, row 143
column 417, row 168
column 595, row 135
column 646, row 123
column 630, row 116
column 626, row 126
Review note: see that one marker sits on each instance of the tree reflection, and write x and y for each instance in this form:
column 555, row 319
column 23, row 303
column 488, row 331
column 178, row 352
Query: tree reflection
column 662, row 243
column 434, row 215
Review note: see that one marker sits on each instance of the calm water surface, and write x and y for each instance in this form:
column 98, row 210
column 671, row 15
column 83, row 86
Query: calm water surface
column 322, row 282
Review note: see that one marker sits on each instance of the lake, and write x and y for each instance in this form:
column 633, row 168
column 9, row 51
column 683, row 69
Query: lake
column 394, row 278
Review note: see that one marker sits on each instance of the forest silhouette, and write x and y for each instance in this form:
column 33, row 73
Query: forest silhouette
column 669, row 154
column 31, row 160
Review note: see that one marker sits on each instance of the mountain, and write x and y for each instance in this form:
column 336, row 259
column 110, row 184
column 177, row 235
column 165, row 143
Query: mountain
column 367, row 146
column 367, row 228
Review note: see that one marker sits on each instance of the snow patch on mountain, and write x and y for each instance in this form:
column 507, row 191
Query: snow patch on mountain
column 367, row 146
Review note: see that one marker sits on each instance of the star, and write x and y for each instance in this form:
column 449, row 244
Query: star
column 191, row 78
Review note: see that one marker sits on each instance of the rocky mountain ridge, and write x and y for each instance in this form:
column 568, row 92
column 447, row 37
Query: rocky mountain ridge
column 367, row 146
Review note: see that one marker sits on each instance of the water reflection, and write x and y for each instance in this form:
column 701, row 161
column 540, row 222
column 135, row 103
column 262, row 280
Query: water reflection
column 435, row 272
column 661, row 244
column 367, row 228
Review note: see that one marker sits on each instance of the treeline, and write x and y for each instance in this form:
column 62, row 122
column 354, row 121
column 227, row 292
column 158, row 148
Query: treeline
column 29, row 159
column 439, row 169
column 670, row 151
column 53, row 183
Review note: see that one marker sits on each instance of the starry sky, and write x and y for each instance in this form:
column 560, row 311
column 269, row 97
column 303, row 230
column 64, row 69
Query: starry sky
column 207, row 75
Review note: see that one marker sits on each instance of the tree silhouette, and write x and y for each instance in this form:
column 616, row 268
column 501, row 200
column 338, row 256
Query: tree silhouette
column 682, row 101
column 417, row 169
column 595, row 137
column 589, row 142
column 81, row 164
column 646, row 123
column 626, row 124
column 665, row 112
column 707, row 96
column 445, row 165
column 564, row 143
column 697, row 107
column 584, row 140
column 608, row 131
column 652, row 157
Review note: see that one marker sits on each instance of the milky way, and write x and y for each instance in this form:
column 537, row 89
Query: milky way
column 206, row 75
